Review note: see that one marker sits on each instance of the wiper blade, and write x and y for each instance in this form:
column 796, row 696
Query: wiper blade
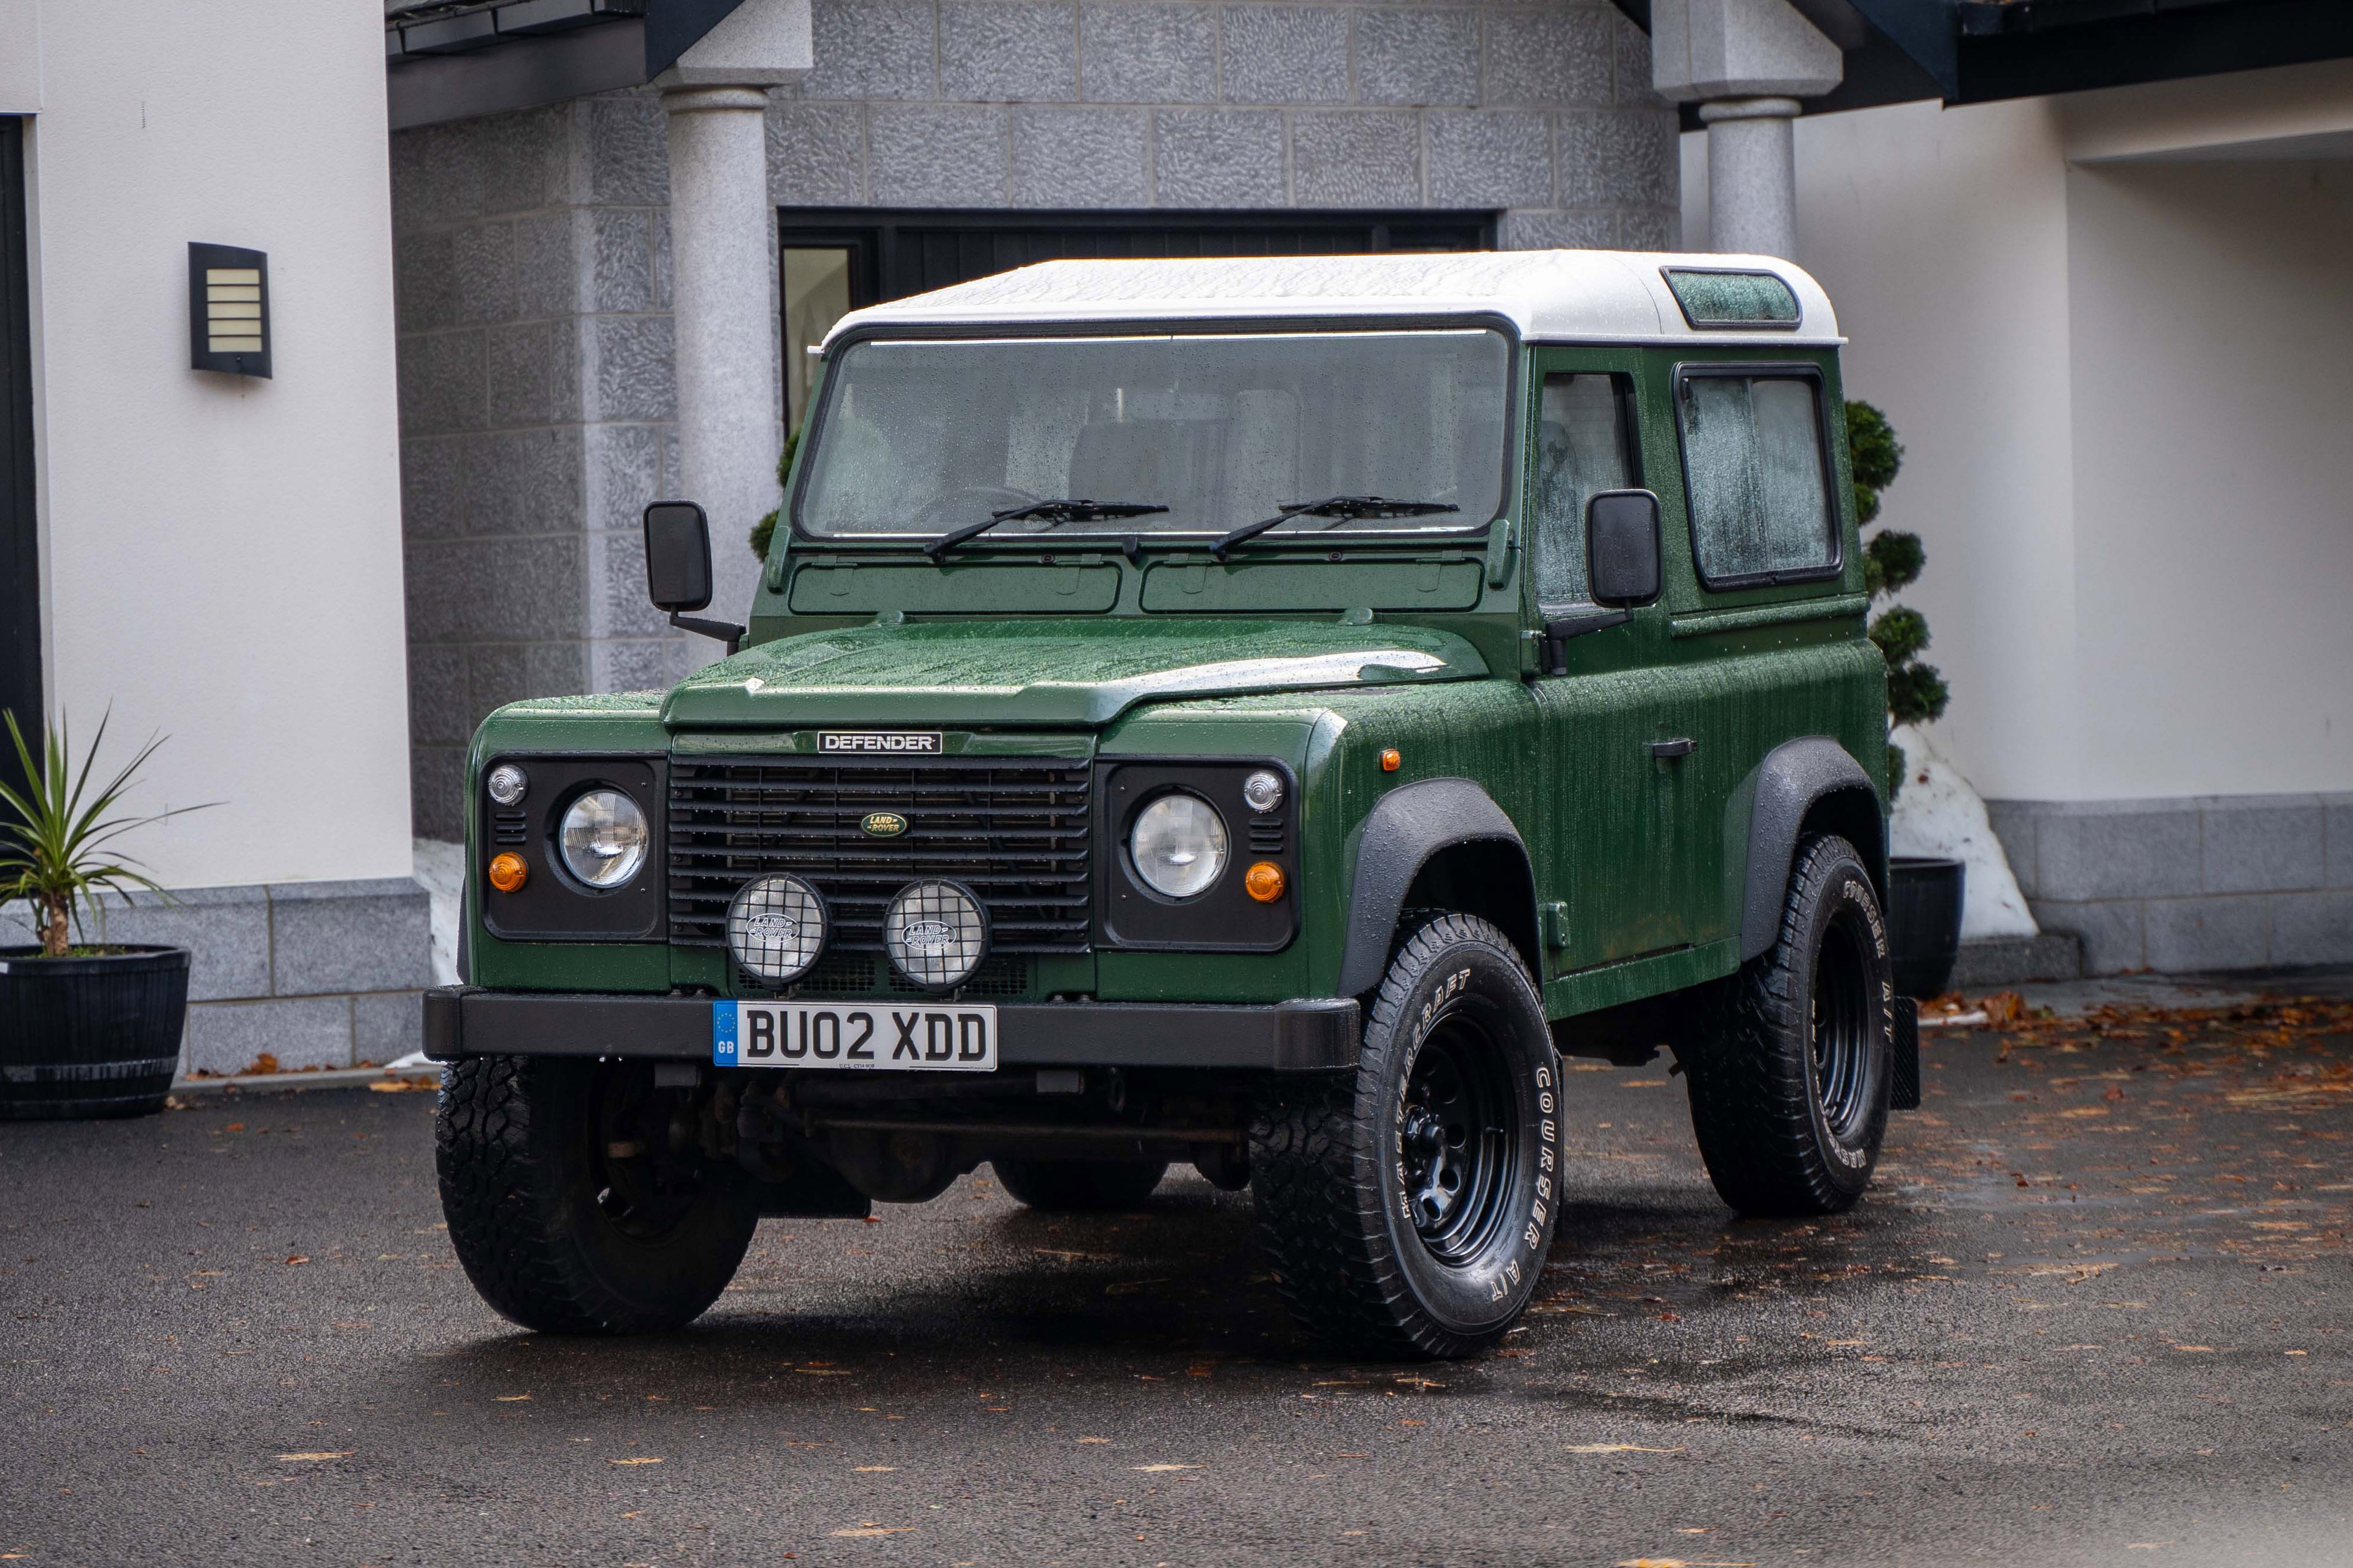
column 1331, row 506
column 1049, row 510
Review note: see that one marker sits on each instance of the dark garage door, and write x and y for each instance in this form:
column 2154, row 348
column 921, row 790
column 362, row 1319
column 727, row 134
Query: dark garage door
column 839, row 258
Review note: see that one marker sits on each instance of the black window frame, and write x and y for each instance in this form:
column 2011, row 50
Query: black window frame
column 1782, row 369
column 1623, row 388
column 1513, row 461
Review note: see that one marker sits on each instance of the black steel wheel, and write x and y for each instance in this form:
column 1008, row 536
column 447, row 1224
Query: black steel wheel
column 563, row 1206
column 1790, row 1087
column 1408, row 1207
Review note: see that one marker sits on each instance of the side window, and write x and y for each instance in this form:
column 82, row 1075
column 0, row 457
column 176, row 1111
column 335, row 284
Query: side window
column 1584, row 445
column 1759, row 476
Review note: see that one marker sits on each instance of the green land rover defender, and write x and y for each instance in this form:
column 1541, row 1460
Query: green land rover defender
column 1259, row 714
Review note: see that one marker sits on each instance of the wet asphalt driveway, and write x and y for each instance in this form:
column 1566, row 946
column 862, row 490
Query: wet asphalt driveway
column 2094, row 1312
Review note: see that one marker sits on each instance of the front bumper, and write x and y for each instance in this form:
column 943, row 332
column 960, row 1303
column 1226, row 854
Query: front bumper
column 1286, row 1036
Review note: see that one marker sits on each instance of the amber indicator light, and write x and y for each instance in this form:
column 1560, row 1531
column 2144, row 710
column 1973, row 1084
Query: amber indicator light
column 1263, row 881
column 1391, row 760
column 507, row 872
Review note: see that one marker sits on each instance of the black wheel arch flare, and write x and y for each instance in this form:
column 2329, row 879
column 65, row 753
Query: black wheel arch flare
column 1409, row 828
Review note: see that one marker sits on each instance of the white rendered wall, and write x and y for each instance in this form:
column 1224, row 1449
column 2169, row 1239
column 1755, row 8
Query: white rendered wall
column 2116, row 383
column 223, row 555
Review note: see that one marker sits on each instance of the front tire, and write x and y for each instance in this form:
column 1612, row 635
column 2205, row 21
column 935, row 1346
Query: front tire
column 1790, row 1094
column 1408, row 1207
column 561, row 1218
column 1079, row 1186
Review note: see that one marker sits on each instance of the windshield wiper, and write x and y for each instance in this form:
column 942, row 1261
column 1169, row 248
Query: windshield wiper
column 1330, row 506
column 1049, row 510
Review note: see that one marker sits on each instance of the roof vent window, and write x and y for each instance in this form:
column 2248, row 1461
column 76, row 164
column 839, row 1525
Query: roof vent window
column 1710, row 299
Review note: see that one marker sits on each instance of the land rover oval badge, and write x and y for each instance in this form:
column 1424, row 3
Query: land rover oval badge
column 884, row 823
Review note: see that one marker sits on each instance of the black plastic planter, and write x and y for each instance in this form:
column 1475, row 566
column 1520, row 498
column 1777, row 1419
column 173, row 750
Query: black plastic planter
column 1924, row 921
column 89, row 1036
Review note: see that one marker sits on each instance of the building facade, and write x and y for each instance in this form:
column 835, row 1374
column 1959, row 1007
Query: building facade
column 2106, row 321
column 208, row 555
column 923, row 143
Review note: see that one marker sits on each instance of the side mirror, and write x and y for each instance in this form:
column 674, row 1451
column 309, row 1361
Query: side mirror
column 1621, row 548
column 678, row 556
column 678, row 568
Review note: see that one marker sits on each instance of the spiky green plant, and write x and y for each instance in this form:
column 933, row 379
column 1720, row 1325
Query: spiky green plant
column 1891, row 563
column 55, row 855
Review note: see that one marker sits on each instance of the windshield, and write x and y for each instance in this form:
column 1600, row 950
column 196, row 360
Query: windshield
column 922, row 437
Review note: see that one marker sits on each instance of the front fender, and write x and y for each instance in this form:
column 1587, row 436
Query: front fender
column 1398, row 837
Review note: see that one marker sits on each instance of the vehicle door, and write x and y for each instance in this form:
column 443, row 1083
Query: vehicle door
column 1602, row 695
column 1760, row 624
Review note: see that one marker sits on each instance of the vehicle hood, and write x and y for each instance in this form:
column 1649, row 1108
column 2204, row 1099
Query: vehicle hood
column 1054, row 673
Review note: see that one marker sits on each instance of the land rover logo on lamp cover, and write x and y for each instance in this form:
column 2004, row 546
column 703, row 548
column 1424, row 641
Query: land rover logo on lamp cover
column 883, row 824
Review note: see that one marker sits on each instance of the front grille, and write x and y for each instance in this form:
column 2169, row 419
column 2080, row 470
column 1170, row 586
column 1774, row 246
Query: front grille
column 1015, row 832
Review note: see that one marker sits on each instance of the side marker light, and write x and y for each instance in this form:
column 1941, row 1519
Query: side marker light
column 1263, row 881
column 507, row 872
column 1391, row 760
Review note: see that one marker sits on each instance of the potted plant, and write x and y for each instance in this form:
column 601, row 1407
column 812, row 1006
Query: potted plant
column 1924, row 893
column 86, row 1030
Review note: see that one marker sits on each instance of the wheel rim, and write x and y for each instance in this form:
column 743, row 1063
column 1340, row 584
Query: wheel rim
column 1458, row 1159
column 1839, row 1031
column 637, row 1191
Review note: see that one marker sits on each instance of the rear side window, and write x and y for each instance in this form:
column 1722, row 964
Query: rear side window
column 1757, row 471
column 1584, row 446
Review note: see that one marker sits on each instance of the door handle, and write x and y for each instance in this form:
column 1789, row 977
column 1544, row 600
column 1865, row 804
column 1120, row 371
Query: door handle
column 1669, row 750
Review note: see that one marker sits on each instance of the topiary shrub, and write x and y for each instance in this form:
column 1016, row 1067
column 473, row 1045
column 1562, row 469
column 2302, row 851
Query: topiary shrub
column 1891, row 563
column 765, row 529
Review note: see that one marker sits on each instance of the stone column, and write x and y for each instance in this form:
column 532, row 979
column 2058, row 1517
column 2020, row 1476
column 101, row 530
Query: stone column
column 1752, row 176
column 1745, row 63
column 725, row 313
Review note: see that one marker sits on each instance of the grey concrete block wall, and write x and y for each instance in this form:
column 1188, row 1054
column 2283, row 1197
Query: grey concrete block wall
column 537, row 401
column 532, row 253
column 1542, row 112
column 2188, row 884
column 312, row 975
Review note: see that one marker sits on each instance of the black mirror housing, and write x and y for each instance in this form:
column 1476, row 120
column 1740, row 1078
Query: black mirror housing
column 1621, row 548
column 678, row 556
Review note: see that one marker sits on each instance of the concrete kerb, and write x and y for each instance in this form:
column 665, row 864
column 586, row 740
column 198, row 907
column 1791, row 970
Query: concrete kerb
column 409, row 1070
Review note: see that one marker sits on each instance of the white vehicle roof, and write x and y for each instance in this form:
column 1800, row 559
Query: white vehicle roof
column 1552, row 296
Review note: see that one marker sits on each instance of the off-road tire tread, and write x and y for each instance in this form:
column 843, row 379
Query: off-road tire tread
column 1079, row 1186
column 1753, row 1116
column 501, row 1196
column 1314, row 1179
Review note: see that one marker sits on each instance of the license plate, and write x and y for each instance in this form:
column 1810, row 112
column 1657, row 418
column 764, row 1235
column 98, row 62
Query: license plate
column 853, row 1037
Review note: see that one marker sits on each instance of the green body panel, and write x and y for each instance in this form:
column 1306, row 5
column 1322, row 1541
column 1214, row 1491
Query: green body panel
column 1452, row 581
column 1285, row 653
column 997, row 588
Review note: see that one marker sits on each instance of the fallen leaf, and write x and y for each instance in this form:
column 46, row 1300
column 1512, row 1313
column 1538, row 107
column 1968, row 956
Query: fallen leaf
column 297, row 1257
column 510, row 1398
column 633, row 1461
column 874, row 1470
column 1617, row 1448
column 304, row 1458
column 1095, row 1439
column 1154, row 1469
column 874, row 1530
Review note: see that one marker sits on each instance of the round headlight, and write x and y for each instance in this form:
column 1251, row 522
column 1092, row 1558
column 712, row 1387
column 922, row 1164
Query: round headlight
column 776, row 928
column 1179, row 846
column 1263, row 791
column 603, row 838
column 506, row 784
column 936, row 933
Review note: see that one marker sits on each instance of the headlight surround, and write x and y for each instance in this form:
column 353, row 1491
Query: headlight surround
column 1179, row 845
column 603, row 838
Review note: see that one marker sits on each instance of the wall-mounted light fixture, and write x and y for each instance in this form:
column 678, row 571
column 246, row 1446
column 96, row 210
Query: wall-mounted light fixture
column 228, row 310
